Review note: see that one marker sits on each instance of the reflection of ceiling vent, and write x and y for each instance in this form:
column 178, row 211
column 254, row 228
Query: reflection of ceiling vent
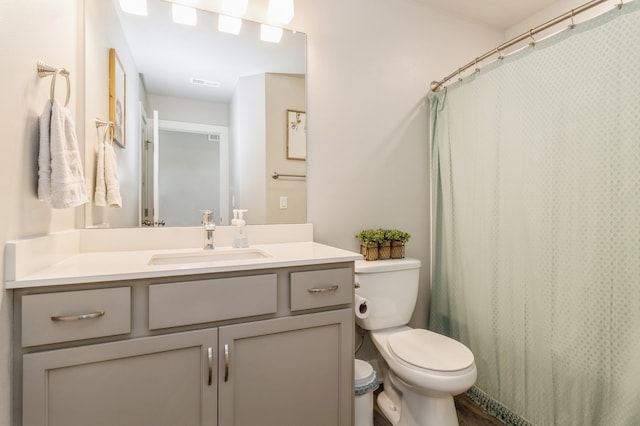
column 214, row 138
column 203, row 82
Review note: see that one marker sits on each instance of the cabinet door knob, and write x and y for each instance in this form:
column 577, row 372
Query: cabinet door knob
column 226, row 362
column 323, row 289
column 92, row 315
column 210, row 356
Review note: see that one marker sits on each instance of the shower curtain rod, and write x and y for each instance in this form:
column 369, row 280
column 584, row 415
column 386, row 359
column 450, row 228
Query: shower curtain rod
column 437, row 85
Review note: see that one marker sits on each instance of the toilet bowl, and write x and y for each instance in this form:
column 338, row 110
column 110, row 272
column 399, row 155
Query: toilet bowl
column 428, row 361
column 427, row 379
column 421, row 370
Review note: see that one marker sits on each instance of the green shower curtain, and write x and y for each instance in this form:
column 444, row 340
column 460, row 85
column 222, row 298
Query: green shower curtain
column 536, row 225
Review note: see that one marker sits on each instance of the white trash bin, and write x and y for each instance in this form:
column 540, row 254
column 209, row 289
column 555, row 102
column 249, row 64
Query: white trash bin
column 365, row 382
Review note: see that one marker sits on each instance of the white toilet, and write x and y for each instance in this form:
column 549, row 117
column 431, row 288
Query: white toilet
column 422, row 370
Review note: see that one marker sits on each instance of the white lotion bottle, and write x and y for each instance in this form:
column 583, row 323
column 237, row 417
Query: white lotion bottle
column 240, row 240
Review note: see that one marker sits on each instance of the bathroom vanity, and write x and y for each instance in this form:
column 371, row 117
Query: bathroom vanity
column 186, row 341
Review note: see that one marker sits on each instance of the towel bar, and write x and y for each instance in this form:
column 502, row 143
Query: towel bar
column 277, row 175
column 101, row 123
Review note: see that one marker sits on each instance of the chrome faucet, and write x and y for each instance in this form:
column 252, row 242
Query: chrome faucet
column 209, row 227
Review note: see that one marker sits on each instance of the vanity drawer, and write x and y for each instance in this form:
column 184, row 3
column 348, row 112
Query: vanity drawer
column 316, row 289
column 194, row 302
column 75, row 315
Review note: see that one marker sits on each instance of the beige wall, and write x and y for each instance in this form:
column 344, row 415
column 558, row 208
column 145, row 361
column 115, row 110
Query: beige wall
column 369, row 66
column 189, row 110
column 559, row 7
column 27, row 34
column 283, row 92
column 103, row 32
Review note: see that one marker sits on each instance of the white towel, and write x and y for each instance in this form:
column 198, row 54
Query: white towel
column 107, row 184
column 60, row 174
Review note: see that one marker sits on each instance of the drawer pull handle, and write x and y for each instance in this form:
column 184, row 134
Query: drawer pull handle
column 323, row 289
column 226, row 362
column 92, row 315
column 210, row 356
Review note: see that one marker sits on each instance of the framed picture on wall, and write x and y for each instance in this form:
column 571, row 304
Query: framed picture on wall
column 296, row 135
column 117, row 98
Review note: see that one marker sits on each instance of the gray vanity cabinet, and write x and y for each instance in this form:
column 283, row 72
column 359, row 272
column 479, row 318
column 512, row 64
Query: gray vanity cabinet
column 164, row 380
column 271, row 347
column 288, row 371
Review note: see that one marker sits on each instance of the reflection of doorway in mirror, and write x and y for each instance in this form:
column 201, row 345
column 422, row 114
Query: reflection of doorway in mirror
column 192, row 172
column 188, row 177
column 146, row 175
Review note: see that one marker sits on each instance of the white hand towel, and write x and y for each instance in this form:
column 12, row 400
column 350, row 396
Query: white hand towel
column 44, row 156
column 100, row 195
column 107, row 183
column 60, row 174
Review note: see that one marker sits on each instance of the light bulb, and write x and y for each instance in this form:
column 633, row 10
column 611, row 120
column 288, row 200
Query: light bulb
column 280, row 11
column 183, row 14
column 270, row 34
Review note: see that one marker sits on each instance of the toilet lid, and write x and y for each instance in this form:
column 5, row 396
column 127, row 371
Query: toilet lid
column 429, row 350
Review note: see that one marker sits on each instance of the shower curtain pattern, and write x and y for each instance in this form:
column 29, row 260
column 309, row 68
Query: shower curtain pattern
column 536, row 216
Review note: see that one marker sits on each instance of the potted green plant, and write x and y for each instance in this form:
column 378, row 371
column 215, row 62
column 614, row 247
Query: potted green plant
column 384, row 245
column 369, row 240
column 398, row 239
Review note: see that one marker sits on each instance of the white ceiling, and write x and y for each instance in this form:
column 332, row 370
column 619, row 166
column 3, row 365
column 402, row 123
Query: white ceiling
column 168, row 55
column 497, row 13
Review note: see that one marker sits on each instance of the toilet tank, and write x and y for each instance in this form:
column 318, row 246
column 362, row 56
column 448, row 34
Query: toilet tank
column 390, row 288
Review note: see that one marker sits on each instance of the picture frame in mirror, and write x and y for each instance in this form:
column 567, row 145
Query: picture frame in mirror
column 117, row 98
column 296, row 135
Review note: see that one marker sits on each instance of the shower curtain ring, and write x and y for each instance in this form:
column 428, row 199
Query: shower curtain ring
column 533, row 40
column 499, row 53
column 475, row 63
column 619, row 5
column 573, row 24
column 459, row 74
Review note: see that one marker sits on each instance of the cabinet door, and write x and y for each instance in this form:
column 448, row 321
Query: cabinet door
column 287, row 372
column 165, row 380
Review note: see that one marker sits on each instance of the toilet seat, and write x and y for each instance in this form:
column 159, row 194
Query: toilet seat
column 430, row 351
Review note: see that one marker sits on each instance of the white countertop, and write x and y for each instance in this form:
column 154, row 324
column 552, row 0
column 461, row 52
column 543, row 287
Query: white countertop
column 127, row 265
column 88, row 266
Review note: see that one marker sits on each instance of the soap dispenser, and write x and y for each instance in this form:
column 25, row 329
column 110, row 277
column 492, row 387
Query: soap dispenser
column 240, row 240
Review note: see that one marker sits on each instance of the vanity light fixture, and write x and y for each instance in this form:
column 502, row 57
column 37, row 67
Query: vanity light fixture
column 135, row 7
column 270, row 34
column 183, row 14
column 280, row 11
column 229, row 24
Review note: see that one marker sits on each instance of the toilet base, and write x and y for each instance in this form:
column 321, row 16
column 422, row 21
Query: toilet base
column 415, row 409
column 388, row 408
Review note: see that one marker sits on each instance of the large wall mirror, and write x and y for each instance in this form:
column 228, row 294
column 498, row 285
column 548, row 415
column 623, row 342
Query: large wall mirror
column 205, row 118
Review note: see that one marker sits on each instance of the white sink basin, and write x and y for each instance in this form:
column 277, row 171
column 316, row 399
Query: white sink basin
column 208, row 256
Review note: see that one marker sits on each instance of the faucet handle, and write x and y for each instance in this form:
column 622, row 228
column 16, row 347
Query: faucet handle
column 207, row 217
